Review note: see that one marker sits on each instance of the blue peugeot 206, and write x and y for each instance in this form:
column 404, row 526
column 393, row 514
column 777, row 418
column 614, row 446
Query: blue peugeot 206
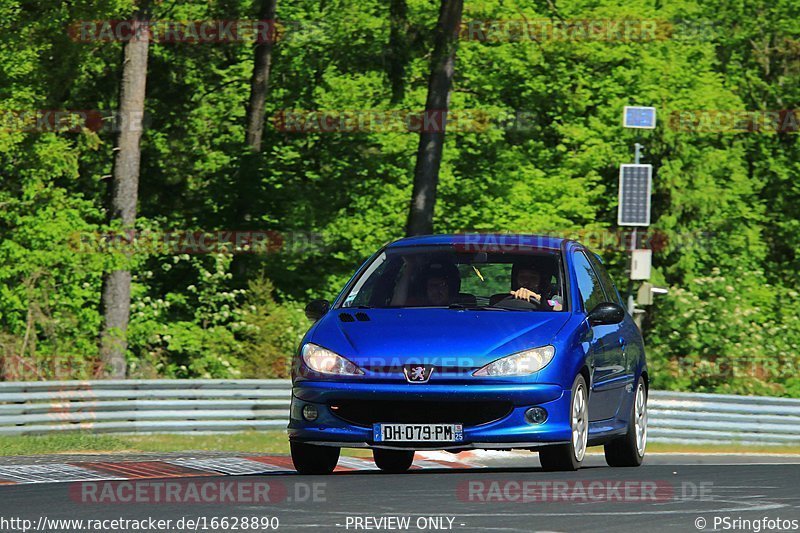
column 456, row 342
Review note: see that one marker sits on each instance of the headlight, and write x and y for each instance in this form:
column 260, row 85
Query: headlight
column 325, row 361
column 519, row 364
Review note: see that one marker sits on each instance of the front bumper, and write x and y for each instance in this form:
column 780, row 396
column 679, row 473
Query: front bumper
column 510, row 431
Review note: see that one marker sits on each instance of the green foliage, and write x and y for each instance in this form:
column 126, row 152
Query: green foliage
column 271, row 332
column 48, row 293
column 731, row 333
column 207, row 330
column 548, row 162
column 190, row 330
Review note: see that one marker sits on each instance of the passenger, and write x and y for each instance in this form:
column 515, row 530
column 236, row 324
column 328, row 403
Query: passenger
column 442, row 283
column 437, row 285
column 438, row 291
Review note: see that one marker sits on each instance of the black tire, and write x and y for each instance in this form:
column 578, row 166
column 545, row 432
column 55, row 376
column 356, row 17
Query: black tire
column 627, row 451
column 565, row 457
column 310, row 459
column 393, row 461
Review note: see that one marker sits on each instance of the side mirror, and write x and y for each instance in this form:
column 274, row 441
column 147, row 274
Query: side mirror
column 316, row 309
column 605, row 314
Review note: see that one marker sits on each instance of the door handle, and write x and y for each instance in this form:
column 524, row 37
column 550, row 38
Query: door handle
column 622, row 343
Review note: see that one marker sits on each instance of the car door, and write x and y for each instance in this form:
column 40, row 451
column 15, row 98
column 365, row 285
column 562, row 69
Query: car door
column 629, row 335
column 605, row 356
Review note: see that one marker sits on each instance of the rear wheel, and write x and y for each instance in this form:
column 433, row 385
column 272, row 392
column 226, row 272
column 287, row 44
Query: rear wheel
column 629, row 449
column 393, row 461
column 566, row 457
column 310, row 459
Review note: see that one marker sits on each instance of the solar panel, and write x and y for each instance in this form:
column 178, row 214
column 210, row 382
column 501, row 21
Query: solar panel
column 635, row 183
column 640, row 117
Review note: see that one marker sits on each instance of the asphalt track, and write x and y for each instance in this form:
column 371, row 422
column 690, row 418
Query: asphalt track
column 668, row 493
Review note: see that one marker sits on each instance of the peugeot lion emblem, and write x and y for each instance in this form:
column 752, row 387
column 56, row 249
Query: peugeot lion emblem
column 417, row 373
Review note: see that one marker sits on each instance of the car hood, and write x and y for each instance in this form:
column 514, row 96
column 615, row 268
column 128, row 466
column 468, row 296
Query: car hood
column 374, row 338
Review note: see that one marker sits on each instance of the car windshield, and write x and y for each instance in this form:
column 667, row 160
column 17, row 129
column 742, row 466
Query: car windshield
column 516, row 280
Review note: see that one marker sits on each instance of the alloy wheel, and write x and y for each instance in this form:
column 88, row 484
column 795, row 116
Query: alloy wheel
column 640, row 419
column 580, row 422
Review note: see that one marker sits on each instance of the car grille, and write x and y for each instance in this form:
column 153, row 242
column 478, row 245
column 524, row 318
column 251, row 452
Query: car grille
column 368, row 412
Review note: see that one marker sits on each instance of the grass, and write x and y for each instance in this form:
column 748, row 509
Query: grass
column 720, row 448
column 72, row 442
column 256, row 443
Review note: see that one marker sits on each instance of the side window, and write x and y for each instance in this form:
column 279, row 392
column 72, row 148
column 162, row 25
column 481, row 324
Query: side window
column 591, row 291
column 605, row 280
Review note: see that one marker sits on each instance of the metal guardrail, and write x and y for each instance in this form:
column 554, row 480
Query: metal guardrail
column 691, row 418
column 143, row 406
column 174, row 406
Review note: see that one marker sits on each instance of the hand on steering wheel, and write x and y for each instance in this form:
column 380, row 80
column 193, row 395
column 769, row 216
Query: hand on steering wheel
column 527, row 295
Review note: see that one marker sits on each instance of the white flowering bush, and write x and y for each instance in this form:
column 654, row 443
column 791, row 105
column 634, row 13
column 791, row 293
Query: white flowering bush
column 190, row 331
column 205, row 329
column 726, row 332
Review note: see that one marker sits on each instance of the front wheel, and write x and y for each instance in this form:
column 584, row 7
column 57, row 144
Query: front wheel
column 628, row 450
column 568, row 457
column 393, row 461
column 310, row 459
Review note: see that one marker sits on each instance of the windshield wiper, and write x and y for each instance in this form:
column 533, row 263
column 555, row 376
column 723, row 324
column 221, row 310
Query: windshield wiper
column 462, row 307
column 507, row 309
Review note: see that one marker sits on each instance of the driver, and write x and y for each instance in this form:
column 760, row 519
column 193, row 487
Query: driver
column 528, row 283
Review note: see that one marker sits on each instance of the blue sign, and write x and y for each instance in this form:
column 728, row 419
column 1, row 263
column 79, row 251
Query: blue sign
column 640, row 117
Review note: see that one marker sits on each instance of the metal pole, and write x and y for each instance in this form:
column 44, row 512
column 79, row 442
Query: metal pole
column 631, row 302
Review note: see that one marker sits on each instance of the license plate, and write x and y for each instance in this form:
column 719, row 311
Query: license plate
column 418, row 432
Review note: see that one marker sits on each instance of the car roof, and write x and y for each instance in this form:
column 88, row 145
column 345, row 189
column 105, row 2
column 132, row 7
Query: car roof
column 482, row 239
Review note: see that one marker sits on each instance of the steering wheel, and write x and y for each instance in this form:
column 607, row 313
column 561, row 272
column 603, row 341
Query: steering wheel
column 509, row 302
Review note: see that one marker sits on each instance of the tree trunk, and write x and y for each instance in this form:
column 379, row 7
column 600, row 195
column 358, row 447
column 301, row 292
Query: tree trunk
column 398, row 48
column 259, row 83
column 431, row 138
column 247, row 173
column 123, row 193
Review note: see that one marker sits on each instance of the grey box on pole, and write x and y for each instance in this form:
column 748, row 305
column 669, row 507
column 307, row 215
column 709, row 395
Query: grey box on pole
column 635, row 185
column 641, row 264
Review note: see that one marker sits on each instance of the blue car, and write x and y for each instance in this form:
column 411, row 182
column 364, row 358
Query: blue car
column 456, row 342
